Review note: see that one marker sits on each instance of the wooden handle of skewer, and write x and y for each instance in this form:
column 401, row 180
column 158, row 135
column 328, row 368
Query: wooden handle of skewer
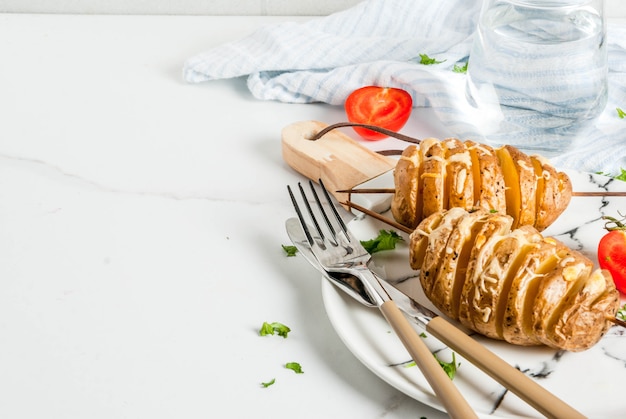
column 340, row 161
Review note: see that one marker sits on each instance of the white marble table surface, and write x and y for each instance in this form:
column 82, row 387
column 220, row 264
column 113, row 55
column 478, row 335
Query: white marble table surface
column 141, row 224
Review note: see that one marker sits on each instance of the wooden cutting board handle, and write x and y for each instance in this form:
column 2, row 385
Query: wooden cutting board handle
column 340, row 161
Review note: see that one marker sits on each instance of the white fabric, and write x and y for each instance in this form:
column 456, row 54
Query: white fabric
column 378, row 42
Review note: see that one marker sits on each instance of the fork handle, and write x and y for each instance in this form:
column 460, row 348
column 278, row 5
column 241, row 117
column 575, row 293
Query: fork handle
column 511, row 378
column 448, row 394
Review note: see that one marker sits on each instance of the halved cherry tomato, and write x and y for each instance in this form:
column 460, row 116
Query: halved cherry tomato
column 385, row 107
column 612, row 256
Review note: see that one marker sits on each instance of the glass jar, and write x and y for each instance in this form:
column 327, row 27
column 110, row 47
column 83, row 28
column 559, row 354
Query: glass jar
column 537, row 72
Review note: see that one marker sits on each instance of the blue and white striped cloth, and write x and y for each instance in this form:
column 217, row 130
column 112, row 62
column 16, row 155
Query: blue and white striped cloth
column 379, row 42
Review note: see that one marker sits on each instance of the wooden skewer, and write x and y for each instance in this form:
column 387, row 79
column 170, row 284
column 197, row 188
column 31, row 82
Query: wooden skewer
column 616, row 321
column 392, row 190
column 368, row 190
column 384, row 131
column 606, row 193
column 378, row 216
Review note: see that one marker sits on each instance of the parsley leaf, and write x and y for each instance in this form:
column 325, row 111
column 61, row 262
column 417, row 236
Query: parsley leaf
column 295, row 367
column 269, row 383
column 621, row 113
column 266, row 329
column 290, row 250
column 460, row 68
column 621, row 313
column 386, row 240
column 620, row 176
column 449, row 367
column 426, row 60
column 271, row 328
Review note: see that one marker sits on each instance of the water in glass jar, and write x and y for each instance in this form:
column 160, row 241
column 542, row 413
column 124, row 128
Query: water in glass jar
column 538, row 73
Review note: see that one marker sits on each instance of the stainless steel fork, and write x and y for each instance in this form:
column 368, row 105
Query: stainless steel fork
column 337, row 250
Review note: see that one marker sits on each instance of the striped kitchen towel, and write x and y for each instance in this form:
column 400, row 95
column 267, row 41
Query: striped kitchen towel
column 382, row 42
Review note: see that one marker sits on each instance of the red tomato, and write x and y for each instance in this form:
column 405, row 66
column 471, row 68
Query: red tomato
column 385, row 107
column 612, row 256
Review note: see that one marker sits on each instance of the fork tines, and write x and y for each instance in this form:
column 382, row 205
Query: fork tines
column 321, row 211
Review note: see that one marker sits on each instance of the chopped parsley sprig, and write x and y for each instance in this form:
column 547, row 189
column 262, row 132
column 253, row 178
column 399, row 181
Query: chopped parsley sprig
column 449, row 367
column 621, row 313
column 290, row 250
column 269, row 383
column 274, row 328
column 295, row 367
column 460, row 68
column 620, row 176
column 426, row 60
column 386, row 240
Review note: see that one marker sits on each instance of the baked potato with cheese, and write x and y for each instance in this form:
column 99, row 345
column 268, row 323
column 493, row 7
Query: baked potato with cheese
column 438, row 175
column 510, row 283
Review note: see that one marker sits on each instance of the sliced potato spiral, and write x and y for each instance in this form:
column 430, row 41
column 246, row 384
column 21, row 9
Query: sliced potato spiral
column 439, row 175
column 510, row 283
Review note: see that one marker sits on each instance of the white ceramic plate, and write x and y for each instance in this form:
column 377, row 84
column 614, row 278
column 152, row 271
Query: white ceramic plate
column 591, row 381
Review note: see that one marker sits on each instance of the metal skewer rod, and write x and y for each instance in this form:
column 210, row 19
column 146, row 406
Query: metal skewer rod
column 392, row 190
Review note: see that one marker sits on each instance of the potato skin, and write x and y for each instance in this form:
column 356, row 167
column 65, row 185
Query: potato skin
column 527, row 186
column 529, row 274
column 406, row 202
column 440, row 175
column 582, row 320
column 434, row 179
column 459, row 175
column 555, row 195
column 489, row 186
column 453, row 262
column 515, row 285
column 492, row 231
column 436, row 247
